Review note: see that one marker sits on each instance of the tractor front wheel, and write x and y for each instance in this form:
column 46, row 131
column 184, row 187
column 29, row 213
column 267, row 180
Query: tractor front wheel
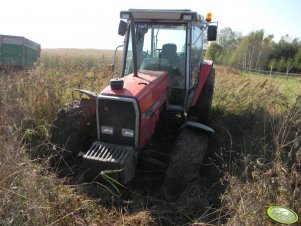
column 75, row 127
column 186, row 157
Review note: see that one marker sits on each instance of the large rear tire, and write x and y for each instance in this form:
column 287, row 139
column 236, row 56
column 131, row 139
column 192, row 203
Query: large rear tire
column 75, row 127
column 202, row 110
column 186, row 157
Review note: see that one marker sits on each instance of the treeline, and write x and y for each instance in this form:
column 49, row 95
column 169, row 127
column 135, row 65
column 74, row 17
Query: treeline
column 256, row 51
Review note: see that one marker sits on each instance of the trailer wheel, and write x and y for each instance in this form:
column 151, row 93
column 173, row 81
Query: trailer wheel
column 186, row 157
column 75, row 127
column 202, row 110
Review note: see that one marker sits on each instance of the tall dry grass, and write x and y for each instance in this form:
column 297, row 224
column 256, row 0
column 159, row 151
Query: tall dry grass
column 31, row 193
column 253, row 162
column 259, row 137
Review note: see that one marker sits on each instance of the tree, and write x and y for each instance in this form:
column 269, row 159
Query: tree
column 297, row 60
column 228, row 39
column 256, row 51
column 253, row 50
column 214, row 51
column 285, row 53
column 272, row 65
column 281, row 64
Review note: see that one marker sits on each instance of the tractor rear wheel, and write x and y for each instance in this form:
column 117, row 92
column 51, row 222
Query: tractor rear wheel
column 186, row 157
column 75, row 127
column 202, row 110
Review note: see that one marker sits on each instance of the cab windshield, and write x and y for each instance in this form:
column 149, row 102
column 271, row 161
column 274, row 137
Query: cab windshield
column 160, row 47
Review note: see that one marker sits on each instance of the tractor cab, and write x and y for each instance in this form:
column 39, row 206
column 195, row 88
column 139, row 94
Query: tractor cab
column 166, row 40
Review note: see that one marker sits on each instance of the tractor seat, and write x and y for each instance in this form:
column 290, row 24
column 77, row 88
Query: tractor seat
column 169, row 52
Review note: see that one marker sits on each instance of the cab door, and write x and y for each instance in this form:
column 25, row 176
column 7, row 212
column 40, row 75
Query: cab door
column 195, row 61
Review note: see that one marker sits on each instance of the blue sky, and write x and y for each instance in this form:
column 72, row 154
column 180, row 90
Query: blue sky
column 94, row 23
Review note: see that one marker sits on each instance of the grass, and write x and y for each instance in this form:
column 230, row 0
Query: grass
column 258, row 128
column 289, row 86
column 253, row 162
column 30, row 194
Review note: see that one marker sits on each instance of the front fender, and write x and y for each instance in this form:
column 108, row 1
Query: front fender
column 91, row 95
column 199, row 126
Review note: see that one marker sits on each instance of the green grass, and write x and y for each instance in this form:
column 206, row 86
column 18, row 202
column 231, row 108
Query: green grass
column 289, row 86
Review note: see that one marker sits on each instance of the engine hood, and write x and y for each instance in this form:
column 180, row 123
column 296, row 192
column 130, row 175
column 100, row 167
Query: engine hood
column 147, row 87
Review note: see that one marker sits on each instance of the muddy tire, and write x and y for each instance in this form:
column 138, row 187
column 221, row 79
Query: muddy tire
column 186, row 157
column 75, row 127
column 202, row 110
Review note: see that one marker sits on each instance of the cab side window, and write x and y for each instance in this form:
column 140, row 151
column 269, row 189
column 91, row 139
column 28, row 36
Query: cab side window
column 196, row 52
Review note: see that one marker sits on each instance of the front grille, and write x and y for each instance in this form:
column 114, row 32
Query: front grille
column 119, row 115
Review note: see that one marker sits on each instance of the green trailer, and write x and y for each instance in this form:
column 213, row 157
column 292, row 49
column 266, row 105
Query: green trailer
column 18, row 52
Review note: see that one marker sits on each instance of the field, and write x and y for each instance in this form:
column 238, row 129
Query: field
column 253, row 161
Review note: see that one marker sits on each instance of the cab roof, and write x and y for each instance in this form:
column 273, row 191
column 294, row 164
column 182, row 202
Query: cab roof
column 162, row 14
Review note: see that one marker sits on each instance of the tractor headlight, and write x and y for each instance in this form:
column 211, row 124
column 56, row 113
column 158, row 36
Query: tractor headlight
column 107, row 130
column 127, row 132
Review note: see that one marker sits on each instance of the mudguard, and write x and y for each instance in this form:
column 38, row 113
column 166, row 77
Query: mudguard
column 199, row 126
column 91, row 95
column 202, row 77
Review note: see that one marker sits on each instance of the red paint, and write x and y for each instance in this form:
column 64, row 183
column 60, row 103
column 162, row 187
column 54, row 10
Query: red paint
column 202, row 77
column 147, row 128
column 147, row 90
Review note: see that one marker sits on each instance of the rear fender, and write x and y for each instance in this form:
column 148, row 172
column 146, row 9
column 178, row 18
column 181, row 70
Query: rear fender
column 202, row 77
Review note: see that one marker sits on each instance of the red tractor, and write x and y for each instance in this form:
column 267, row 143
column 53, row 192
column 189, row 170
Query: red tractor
column 163, row 73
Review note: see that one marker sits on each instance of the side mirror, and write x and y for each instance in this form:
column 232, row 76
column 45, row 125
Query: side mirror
column 112, row 66
column 122, row 28
column 211, row 32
